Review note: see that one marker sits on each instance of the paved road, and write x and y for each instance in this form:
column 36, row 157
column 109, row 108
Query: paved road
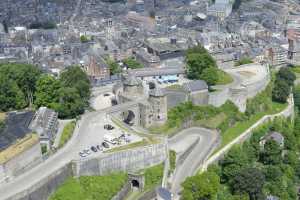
column 89, row 131
column 61, row 158
column 190, row 166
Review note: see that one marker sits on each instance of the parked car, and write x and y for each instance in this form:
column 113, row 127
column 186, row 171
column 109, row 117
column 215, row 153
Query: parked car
column 82, row 154
column 108, row 127
column 105, row 144
column 99, row 148
column 94, row 149
column 87, row 151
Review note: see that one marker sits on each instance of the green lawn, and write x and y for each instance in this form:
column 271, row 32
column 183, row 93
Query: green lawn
column 144, row 142
column 172, row 158
column 67, row 133
column 213, row 122
column 223, row 78
column 236, row 130
column 153, row 176
column 90, row 187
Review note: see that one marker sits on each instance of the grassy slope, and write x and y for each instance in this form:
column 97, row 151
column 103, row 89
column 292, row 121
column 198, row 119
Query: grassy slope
column 90, row 187
column 223, row 78
column 67, row 133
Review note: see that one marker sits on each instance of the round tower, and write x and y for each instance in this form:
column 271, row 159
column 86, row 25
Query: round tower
column 158, row 103
column 131, row 85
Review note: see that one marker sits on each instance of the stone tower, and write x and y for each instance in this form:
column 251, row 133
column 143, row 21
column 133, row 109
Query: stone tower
column 131, row 85
column 158, row 104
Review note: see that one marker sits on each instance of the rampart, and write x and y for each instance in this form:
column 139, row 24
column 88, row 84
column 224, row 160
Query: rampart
column 127, row 160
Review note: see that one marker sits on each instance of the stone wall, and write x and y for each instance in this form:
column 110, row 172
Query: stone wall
column 242, row 88
column 22, row 162
column 287, row 112
column 175, row 97
column 43, row 189
column 130, row 160
column 218, row 98
column 123, row 192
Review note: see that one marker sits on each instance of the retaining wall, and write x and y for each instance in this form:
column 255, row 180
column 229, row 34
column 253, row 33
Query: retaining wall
column 129, row 160
column 287, row 112
column 44, row 188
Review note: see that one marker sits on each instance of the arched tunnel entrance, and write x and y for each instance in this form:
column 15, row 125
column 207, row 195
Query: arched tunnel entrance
column 151, row 85
column 135, row 184
column 128, row 117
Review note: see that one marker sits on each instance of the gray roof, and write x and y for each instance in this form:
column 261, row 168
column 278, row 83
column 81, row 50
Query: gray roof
column 197, row 85
column 157, row 92
column 163, row 193
column 147, row 72
column 277, row 137
column 16, row 127
column 131, row 81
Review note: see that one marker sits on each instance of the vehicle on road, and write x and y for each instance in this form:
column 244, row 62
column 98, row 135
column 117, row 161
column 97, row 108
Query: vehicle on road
column 99, row 148
column 105, row 144
column 106, row 95
column 108, row 127
column 87, row 151
column 81, row 154
column 94, row 149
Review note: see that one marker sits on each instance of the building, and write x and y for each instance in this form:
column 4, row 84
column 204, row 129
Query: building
column 158, row 102
column 45, row 124
column 166, row 48
column 151, row 103
column 20, row 148
column 277, row 137
column 198, row 92
column 147, row 59
column 159, row 74
column 277, row 56
column 220, row 9
column 96, row 68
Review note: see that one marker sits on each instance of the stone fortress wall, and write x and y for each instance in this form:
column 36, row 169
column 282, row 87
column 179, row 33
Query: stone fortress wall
column 128, row 160
column 249, row 80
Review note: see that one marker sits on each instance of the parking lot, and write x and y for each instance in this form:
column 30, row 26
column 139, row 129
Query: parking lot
column 103, row 135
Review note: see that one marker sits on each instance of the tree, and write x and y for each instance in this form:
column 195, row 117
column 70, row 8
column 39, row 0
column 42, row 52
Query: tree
column 287, row 75
column 271, row 154
column 249, row 181
column 201, row 187
column 132, row 63
column 47, row 91
column 233, row 162
column 196, row 63
column 196, row 49
column 273, row 173
column 296, row 93
column 75, row 77
column 70, row 103
column 280, row 91
column 25, row 76
column 11, row 97
column 210, row 75
column 114, row 67
column 83, row 39
column 291, row 158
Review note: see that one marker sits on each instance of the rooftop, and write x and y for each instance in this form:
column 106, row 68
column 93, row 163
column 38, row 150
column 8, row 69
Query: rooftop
column 20, row 146
column 193, row 86
column 16, row 128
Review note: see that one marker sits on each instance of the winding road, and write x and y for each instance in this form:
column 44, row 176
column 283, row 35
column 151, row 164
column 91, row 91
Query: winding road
column 181, row 142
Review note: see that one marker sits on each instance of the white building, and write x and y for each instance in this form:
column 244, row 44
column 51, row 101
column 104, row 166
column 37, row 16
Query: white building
column 220, row 9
